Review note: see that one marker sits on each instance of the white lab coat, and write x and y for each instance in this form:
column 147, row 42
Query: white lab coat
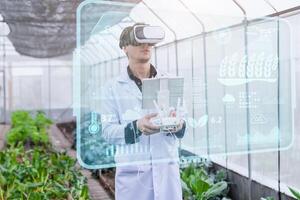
column 148, row 169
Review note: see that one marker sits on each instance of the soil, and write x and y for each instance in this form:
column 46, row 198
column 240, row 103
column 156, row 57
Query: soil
column 107, row 179
column 67, row 128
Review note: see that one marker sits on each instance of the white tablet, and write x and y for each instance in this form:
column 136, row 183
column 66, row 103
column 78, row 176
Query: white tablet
column 164, row 90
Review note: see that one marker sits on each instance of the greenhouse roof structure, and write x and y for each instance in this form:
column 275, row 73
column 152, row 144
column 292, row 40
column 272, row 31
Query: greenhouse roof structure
column 46, row 29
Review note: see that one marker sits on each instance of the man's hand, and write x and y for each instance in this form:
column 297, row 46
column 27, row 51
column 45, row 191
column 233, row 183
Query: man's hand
column 145, row 126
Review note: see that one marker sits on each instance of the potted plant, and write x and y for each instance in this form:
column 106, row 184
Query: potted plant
column 199, row 184
column 295, row 193
column 27, row 130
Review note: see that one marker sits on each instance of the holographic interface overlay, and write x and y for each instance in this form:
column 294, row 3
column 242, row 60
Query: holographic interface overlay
column 238, row 86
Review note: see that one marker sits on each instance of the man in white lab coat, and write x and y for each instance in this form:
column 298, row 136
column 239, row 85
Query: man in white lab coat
column 146, row 158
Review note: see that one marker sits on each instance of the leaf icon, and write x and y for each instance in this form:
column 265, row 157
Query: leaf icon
column 203, row 120
column 198, row 123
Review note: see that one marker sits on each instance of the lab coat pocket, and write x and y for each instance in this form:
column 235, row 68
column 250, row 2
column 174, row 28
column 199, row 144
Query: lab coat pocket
column 131, row 169
column 127, row 169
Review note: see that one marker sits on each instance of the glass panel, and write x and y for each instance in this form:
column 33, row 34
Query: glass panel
column 162, row 59
column 24, row 78
column 236, row 122
column 215, row 92
column 60, row 97
column 172, row 58
column 289, row 158
column 185, row 70
column 200, row 146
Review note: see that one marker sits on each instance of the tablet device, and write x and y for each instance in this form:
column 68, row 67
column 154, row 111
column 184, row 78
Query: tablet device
column 172, row 87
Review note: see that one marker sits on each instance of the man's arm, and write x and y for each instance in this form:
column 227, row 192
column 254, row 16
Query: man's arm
column 132, row 130
column 132, row 133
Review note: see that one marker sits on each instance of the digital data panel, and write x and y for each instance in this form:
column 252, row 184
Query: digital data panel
column 238, row 86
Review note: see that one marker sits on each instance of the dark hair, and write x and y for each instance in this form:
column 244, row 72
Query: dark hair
column 127, row 37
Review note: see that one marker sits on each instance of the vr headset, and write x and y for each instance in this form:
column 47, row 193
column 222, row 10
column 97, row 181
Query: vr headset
column 141, row 34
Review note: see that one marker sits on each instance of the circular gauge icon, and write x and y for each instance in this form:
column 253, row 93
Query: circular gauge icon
column 94, row 128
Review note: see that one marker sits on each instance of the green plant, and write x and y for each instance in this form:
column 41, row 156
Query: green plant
column 295, row 193
column 198, row 184
column 26, row 129
column 39, row 174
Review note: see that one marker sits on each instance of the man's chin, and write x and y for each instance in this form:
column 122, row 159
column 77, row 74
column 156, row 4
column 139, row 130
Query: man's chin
column 145, row 60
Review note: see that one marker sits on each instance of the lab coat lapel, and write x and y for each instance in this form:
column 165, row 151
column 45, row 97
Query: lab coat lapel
column 130, row 86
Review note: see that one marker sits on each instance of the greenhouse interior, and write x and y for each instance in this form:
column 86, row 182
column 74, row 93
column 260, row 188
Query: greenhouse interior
column 149, row 99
